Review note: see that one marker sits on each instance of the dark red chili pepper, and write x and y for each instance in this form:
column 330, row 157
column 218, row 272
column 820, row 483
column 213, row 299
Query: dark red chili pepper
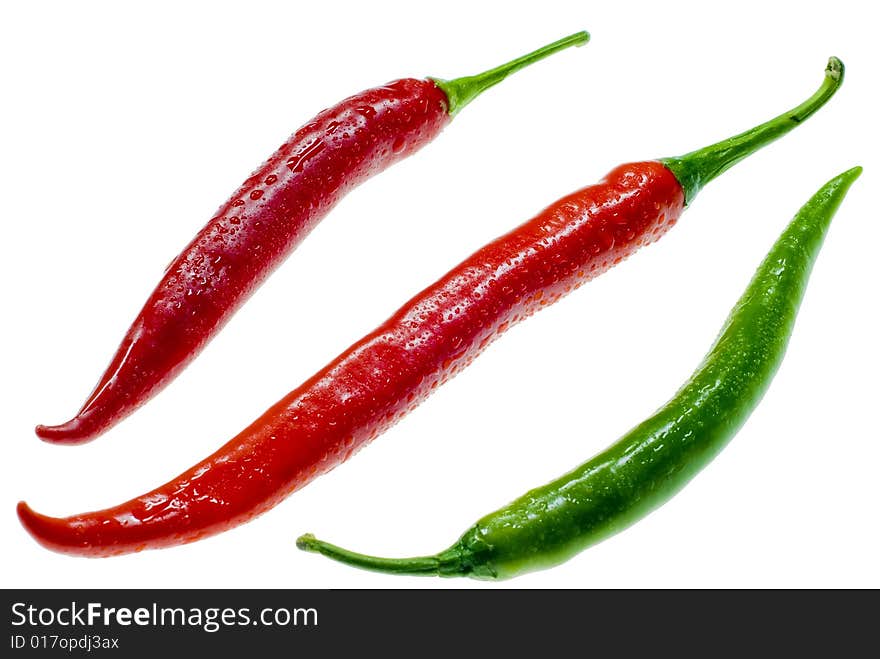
column 387, row 373
column 258, row 227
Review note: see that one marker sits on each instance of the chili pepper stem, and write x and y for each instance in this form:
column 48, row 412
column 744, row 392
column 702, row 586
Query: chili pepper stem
column 446, row 563
column 695, row 169
column 462, row 91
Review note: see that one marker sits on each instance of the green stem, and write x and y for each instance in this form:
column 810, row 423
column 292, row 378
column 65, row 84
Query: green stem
column 447, row 563
column 462, row 91
column 699, row 167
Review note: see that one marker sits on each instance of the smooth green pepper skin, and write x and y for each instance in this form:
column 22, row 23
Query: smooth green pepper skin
column 653, row 461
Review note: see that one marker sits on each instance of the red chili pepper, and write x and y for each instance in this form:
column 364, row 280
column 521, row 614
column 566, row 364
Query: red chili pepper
column 258, row 227
column 387, row 373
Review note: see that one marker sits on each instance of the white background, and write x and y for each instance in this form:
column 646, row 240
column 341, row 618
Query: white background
column 124, row 127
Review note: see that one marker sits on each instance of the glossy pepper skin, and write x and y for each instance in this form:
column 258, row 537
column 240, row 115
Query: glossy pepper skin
column 387, row 373
column 652, row 462
column 262, row 223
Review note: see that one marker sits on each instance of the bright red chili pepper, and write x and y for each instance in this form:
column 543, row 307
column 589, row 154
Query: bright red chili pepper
column 387, row 373
column 258, row 227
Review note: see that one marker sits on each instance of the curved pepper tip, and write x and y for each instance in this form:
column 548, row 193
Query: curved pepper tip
column 53, row 533
column 39, row 526
column 75, row 431
column 25, row 514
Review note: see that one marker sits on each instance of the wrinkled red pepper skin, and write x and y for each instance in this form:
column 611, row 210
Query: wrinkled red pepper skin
column 250, row 235
column 390, row 371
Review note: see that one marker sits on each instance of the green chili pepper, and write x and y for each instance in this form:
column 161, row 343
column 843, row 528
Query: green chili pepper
column 653, row 461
